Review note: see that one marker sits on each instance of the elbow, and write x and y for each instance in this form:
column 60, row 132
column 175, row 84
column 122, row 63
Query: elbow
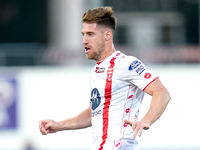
column 167, row 96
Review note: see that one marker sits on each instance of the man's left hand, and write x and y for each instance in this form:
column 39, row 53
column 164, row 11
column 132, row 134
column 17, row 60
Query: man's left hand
column 137, row 126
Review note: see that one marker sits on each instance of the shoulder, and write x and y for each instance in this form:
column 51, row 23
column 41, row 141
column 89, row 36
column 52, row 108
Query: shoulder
column 129, row 62
column 130, row 65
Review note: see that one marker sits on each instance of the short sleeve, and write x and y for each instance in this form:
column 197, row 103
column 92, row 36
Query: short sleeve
column 135, row 72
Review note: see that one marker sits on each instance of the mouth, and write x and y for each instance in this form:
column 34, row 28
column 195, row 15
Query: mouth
column 87, row 49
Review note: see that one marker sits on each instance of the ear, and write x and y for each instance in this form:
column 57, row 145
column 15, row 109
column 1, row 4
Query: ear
column 108, row 35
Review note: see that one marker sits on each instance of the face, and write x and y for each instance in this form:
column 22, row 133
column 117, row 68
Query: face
column 93, row 41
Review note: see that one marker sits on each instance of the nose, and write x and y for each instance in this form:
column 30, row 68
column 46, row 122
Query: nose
column 85, row 41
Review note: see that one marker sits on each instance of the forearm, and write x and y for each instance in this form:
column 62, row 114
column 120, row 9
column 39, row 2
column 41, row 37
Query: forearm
column 83, row 120
column 160, row 100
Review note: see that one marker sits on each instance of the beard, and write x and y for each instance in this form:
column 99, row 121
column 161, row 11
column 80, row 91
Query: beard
column 96, row 54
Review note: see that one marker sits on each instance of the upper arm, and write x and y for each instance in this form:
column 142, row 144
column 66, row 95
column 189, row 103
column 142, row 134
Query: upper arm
column 156, row 87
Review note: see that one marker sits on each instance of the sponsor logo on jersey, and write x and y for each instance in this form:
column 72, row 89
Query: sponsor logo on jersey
column 140, row 69
column 134, row 65
column 99, row 70
column 95, row 98
column 137, row 66
column 95, row 113
column 147, row 76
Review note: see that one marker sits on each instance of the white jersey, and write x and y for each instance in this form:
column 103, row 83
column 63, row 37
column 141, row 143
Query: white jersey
column 117, row 89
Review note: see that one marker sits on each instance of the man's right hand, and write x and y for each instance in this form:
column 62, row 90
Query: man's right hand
column 48, row 126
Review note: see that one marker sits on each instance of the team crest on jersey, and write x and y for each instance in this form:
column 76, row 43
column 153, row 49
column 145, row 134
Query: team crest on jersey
column 110, row 74
column 95, row 98
column 99, row 70
column 137, row 66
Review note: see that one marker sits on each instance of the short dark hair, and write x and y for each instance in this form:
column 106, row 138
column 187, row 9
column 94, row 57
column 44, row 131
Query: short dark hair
column 101, row 16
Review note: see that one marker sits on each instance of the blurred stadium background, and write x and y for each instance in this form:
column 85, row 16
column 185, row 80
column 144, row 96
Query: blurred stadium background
column 44, row 72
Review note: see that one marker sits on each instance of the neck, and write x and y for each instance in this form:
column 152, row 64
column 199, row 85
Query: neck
column 109, row 50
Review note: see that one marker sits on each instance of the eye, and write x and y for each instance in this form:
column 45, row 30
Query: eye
column 90, row 34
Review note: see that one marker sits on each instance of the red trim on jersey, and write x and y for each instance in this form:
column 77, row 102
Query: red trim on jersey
column 117, row 54
column 98, row 63
column 149, row 83
column 108, row 96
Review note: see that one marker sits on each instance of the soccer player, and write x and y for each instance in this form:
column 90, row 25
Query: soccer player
column 117, row 83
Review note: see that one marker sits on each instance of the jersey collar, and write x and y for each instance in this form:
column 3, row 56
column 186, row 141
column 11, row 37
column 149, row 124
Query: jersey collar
column 116, row 53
